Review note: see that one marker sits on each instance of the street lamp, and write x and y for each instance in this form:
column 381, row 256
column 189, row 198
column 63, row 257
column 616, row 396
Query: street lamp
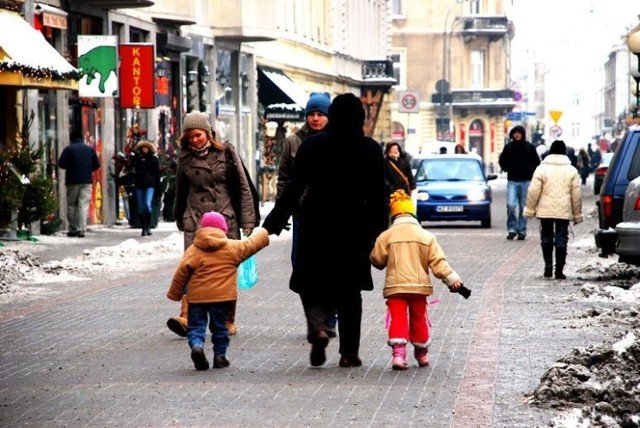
column 634, row 46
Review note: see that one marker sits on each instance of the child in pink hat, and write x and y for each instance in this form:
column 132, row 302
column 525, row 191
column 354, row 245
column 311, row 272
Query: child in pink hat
column 207, row 274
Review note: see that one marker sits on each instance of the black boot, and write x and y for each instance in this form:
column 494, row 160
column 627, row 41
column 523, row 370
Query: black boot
column 561, row 257
column 547, row 254
column 143, row 223
column 148, row 223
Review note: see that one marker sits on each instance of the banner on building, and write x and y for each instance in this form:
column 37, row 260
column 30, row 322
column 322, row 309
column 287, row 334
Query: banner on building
column 137, row 68
column 98, row 61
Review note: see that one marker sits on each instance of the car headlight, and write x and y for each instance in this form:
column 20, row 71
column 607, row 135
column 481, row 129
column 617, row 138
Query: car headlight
column 476, row 195
column 423, row 196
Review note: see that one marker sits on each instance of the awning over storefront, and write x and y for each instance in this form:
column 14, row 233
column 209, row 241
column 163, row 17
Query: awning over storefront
column 27, row 60
column 275, row 87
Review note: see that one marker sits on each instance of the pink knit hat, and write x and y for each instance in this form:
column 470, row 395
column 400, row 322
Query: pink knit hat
column 214, row 219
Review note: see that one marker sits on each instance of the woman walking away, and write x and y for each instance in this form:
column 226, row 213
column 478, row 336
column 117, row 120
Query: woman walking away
column 555, row 198
column 349, row 203
column 146, row 179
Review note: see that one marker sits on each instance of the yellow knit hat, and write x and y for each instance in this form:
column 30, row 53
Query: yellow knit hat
column 401, row 203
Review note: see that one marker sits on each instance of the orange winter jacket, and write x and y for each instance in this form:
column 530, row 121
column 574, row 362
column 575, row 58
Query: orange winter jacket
column 207, row 272
column 409, row 252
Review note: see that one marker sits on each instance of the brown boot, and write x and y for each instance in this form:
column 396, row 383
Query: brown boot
column 231, row 319
column 178, row 325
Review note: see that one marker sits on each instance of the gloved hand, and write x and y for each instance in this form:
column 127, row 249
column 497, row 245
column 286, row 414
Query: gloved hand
column 180, row 224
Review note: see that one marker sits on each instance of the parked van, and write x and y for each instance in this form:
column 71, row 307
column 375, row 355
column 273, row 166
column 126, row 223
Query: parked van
column 624, row 167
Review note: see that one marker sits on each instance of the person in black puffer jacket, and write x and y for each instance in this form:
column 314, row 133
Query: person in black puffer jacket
column 146, row 168
column 518, row 159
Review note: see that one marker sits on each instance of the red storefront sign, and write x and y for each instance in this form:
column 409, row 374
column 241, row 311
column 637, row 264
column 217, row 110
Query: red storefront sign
column 137, row 75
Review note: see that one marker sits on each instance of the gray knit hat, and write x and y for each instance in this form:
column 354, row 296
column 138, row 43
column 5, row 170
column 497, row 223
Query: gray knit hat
column 196, row 120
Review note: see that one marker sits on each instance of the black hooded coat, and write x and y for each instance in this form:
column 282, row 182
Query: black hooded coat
column 519, row 159
column 345, row 207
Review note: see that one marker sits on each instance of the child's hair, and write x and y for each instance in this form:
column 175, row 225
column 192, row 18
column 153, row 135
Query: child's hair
column 214, row 219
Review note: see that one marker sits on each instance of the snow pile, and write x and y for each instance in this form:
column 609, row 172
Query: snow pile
column 18, row 267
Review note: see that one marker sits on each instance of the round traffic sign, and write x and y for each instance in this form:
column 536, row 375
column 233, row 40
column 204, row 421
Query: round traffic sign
column 555, row 131
column 409, row 101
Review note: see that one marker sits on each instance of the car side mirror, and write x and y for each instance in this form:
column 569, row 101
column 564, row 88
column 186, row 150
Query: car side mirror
column 492, row 177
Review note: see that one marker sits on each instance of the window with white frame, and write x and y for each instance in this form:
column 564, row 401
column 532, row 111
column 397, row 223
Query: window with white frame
column 397, row 9
column 575, row 129
column 477, row 69
column 474, row 7
column 575, row 99
column 398, row 59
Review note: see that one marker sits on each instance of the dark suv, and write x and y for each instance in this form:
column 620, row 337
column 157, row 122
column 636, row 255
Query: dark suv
column 624, row 167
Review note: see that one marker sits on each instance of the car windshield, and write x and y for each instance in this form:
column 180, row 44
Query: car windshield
column 450, row 170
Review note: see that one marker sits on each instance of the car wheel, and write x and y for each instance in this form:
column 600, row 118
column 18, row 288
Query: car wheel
column 486, row 223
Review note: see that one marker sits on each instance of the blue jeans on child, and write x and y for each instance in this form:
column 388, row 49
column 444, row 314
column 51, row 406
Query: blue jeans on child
column 516, row 201
column 215, row 314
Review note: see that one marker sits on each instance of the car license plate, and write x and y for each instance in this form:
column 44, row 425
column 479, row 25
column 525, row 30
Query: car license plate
column 449, row 208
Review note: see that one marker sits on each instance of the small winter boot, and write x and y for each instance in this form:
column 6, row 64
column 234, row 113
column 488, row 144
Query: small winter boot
column 199, row 359
column 399, row 353
column 231, row 319
column 561, row 257
column 422, row 356
column 178, row 324
column 547, row 254
column 220, row 362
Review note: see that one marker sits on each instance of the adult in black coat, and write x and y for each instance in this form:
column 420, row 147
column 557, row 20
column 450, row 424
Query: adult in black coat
column 398, row 174
column 146, row 171
column 343, row 211
column 79, row 161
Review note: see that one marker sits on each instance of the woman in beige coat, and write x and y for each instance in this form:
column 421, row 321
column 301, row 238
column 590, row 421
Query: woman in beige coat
column 554, row 197
column 210, row 177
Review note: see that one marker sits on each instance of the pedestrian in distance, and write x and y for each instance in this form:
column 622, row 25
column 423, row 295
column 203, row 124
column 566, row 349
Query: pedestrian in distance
column 519, row 159
column 408, row 284
column 459, row 149
column 210, row 177
column 555, row 198
column 583, row 165
column 341, row 173
column 316, row 120
column 207, row 276
column 146, row 179
column 397, row 170
column 79, row 162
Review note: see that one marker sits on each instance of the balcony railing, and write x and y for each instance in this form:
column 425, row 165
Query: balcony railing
column 493, row 27
column 378, row 72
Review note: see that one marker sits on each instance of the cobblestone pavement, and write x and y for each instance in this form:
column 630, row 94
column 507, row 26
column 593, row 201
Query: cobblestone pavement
column 98, row 353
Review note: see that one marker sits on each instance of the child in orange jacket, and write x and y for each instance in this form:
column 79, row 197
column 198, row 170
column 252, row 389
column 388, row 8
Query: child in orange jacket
column 207, row 274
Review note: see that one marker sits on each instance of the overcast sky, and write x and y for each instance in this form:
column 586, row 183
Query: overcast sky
column 596, row 25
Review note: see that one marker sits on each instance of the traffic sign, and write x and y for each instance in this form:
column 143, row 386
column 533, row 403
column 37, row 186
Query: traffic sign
column 555, row 131
column 409, row 102
column 555, row 115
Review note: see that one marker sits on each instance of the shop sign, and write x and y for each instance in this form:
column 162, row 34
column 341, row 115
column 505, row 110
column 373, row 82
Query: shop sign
column 137, row 67
column 98, row 59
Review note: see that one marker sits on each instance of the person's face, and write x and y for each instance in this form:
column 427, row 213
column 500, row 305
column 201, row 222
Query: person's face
column 197, row 138
column 517, row 135
column 317, row 120
column 394, row 151
column 144, row 149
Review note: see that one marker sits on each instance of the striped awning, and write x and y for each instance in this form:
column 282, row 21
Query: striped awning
column 27, row 60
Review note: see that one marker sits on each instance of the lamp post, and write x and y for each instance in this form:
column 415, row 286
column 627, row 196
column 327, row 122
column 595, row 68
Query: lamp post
column 634, row 46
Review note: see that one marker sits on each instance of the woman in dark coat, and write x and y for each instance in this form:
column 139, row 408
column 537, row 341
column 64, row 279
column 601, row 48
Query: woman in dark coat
column 146, row 179
column 343, row 172
column 397, row 168
column 210, row 177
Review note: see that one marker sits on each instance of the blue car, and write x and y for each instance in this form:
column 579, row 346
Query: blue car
column 453, row 187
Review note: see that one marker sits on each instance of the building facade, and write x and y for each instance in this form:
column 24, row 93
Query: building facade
column 452, row 63
column 237, row 61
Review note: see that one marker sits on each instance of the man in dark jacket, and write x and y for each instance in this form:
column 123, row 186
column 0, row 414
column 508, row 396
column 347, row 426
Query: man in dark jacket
column 79, row 161
column 519, row 159
column 345, row 207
